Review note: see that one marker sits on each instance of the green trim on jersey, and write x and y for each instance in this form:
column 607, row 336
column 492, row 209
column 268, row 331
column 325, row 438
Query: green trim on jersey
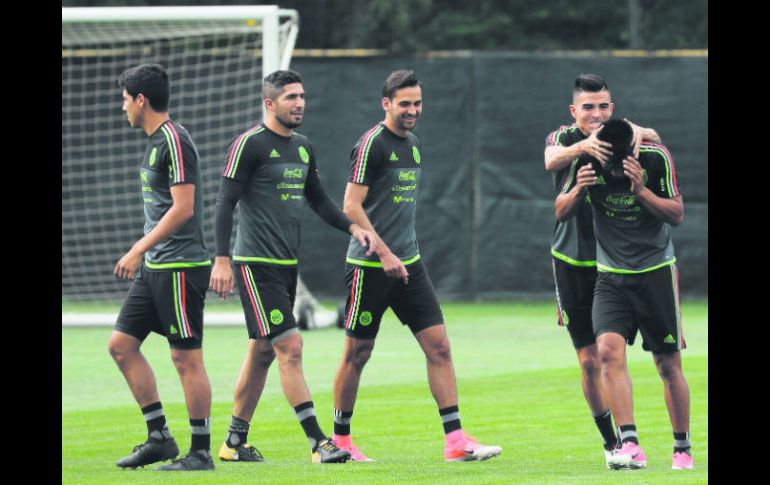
column 572, row 175
column 256, row 259
column 571, row 261
column 364, row 157
column 607, row 269
column 176, row 265
column 239, row 150
column 376, row 264
column 670, row 189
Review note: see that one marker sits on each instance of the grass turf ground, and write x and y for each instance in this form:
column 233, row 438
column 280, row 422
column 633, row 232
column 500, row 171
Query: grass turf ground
column 519, row 387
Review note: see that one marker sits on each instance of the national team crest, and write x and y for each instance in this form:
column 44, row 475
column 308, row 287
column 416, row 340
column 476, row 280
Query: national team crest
column 153, row 156
column 416, row 155
column 304, row 155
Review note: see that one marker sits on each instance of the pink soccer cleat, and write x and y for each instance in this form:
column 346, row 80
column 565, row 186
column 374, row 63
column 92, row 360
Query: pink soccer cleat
column 346, row 443
column 629, row 456
column 682, row 461
column 462, row 447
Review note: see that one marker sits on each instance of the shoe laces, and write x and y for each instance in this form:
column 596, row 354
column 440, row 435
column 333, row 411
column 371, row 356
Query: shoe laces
column 327, row 445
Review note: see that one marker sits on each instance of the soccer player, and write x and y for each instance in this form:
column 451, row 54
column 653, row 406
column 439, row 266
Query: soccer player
column 635, row 202
column 573, row 248
column 270, row 170
column 381, row 195
column 168, row 293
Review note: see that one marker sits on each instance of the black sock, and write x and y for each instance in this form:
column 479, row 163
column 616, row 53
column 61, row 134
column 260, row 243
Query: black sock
column 306, row 415
column 238, row 432
column 604, row 423
column 156, row 422
column 201, row 434
column 450, row 418
column 682, row 442
column 342, row 421
column 628, row 433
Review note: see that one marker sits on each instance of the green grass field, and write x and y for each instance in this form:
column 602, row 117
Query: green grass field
column 519, row 387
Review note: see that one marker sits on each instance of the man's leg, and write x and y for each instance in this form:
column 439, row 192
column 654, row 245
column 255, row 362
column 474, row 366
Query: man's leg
column 124, row 349
column 355, row 355
column 197, row 393
column 677, row 395
column 443, row 386
column 574, row 287
column 288, row 351
column 248, row 390
column 591, row 382
column 616, row 383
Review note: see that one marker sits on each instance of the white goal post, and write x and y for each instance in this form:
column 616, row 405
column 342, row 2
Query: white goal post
column 267, row 18
column 216, row 58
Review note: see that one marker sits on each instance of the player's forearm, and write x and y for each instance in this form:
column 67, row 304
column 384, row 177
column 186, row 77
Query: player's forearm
column 357, row 214
column 648, row 134
column 323, row 205
column 670, row 210
column 170, row 223
column 223, row 226
column 558, row 157
column 567, row 203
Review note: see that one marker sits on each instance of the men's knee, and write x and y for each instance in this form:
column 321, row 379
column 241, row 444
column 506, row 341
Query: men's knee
column 187, row 361
column 610, row 349
column 438, row 351
column 289, row 350
column 121, row 348
column 358, row 355
column 591, row 366
column 668, row 367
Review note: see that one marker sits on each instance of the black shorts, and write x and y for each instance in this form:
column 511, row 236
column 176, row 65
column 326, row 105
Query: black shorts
column 166, row 302
column 267, row 295
column 647, row 302
column 574, row 300
column 370, row 292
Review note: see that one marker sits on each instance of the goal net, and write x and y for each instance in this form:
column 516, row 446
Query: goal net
column 215, row 57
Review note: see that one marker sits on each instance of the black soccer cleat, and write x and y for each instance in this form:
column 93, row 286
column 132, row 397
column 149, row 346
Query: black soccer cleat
column 150, row 451
column 327, row 452
column 240, row 452
column 193, row 461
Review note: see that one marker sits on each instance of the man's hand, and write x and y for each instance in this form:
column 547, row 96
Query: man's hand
column 586, row 177
column 600, row 150
column 365, row 238
column 222, row 277
column 634, row 172
column 128, row 264
column 394, row 268
column 641, row 134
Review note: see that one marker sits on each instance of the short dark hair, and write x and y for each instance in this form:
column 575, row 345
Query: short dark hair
column 150, row 80
column 620, row 135
column 275, row 81
column 397, row 80
column 590, row 83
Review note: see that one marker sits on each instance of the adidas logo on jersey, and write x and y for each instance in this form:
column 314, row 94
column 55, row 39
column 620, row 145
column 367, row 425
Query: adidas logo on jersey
column 393, row 156
column 669, row 339
column 275, row 154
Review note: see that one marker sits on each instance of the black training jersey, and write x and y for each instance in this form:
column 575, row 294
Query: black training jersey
column 274, row 169
column 169, row 159
column 630, row 238
column 390, row 166
column 573, row 240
